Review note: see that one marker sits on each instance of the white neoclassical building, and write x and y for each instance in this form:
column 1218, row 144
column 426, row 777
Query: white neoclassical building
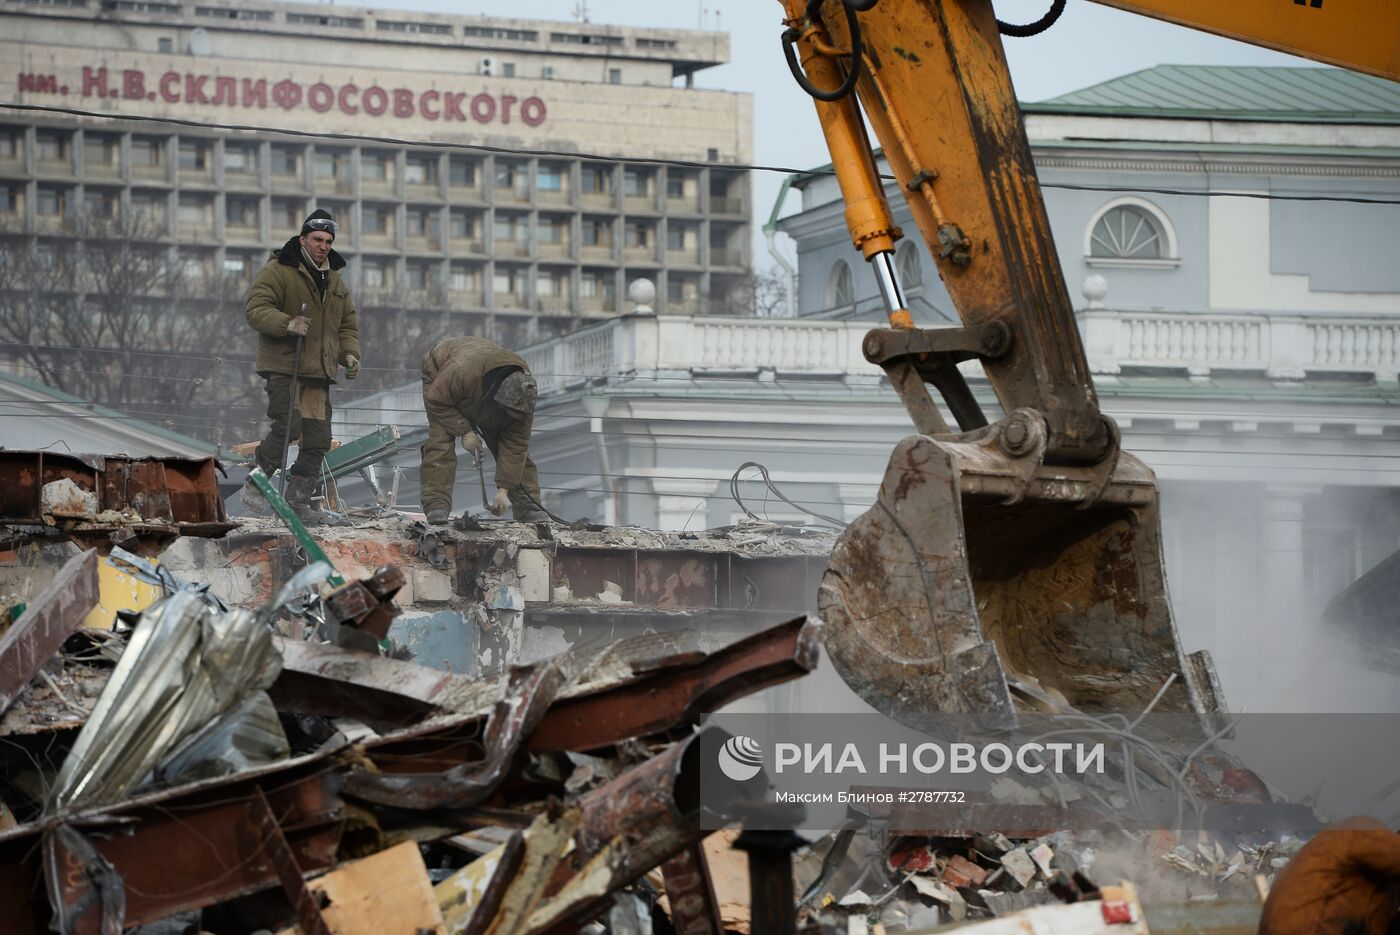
column 1233, row 232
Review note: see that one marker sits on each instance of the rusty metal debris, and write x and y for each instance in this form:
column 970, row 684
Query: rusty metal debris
column 100, row 501
column 272, row 776
column 173, row 799
column 45, row 624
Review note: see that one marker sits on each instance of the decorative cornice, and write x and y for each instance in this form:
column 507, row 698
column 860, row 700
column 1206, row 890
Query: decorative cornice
column 1311, row 168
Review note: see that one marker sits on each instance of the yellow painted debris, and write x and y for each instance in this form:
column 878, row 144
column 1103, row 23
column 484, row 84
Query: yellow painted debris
column 117, row 590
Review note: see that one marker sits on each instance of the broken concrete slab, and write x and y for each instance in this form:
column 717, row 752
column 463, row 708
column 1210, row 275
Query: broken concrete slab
column 49, row 619
column 1019, row 866
column 318, row 678
column 442, row 640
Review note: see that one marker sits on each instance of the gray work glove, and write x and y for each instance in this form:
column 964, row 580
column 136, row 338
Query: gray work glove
column 471, row 443
column 299, row 325
column 352, row 366
column 500, row 503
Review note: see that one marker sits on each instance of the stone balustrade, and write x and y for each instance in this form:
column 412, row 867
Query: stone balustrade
column 1283, row 347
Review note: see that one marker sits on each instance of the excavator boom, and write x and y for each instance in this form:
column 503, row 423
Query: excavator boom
column 1362, row 35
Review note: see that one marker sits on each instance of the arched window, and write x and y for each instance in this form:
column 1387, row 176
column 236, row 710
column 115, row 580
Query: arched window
column 1131, row 232
column 910, row 266
column 840, row 292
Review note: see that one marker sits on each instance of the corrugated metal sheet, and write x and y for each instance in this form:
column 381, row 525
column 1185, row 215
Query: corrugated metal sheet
column 1295, row 94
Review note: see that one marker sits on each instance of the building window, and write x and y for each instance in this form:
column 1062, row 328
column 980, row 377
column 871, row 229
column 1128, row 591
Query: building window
column 638, row 234
column 196, row 215
column 550, row 284
column 51, row 147
column 100, row 152
column 598, row 286
column 507, row 281
column 493, row 32
column 11, row 144
column 12, row 199
column 1131, row 231
column 165, row 44
column 614, row 76
column 100, row 204
column 51, row 202
column 547, row 72
column 681, row 288
column 549, row 179
column 377, row 220
column 238, row 265
column 553, row 230
column 511, row 177
column 147, row 154
column 149, row 207
column 596, row 180
column 597, row 232
column 656, row 43
column 422, row 224
column 312, row 19
column 242, row 212
column 330, row 166
column 636, row 183
column 507, row 69
column 422, row 275
column 574, row 38
column 241, row 158
column 377, row 168
column 218, row 12
column 840, row 293
column 909, row 265
column 140, row 6
column 287, row 214
column 461, row 172
column 378, row 274
column 464, row 226
column 464, row 278
column 194, row 157
column 676, row 236
column 510, row 228
column 421, row 169
column 286, row 161
column 675, row 184
column 427, row 29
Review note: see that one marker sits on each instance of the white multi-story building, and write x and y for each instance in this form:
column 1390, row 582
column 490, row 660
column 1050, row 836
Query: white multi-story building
column 457, row 151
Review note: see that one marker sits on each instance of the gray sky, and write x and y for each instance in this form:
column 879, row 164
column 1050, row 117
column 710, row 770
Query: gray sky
column 1088, row 45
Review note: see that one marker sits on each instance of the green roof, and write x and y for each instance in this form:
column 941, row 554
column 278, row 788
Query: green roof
column 138, row 425
column 1303, row 95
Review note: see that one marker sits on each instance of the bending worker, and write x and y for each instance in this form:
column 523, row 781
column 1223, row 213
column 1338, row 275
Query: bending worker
column 299, row 295
column 471, row 386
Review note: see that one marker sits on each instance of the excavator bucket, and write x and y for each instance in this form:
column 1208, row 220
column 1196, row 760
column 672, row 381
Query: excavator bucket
column 985, row 583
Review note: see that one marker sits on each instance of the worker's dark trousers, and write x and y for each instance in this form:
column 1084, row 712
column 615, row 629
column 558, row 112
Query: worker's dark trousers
column 438, row 473
column 315, row 434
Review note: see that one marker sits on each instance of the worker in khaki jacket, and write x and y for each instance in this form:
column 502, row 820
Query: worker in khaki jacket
column 299, row 294
column 471, row 386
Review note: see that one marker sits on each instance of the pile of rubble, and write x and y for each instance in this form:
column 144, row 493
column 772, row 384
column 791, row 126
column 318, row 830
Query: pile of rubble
column 208, row 758
column 485, row 728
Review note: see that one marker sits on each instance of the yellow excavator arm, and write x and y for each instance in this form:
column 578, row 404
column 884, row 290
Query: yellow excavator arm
column 1363, row 35
column 1015, row 562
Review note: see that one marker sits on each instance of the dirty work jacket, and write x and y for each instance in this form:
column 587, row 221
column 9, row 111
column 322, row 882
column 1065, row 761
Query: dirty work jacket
column 1343, row 880
column 458, row 383
column 275, row 298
